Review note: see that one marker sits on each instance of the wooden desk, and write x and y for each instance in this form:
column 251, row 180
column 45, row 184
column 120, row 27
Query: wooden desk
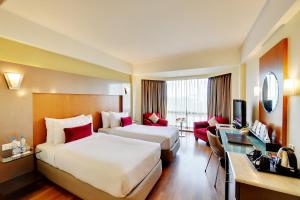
column 244, row 182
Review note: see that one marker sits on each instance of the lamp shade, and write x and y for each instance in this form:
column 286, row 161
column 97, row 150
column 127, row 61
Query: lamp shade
column 13, row 80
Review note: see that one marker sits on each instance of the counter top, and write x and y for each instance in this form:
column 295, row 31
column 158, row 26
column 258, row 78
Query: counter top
column 244, row 172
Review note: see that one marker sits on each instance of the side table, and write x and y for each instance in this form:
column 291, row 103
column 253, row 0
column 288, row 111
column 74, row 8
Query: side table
column 181, row 120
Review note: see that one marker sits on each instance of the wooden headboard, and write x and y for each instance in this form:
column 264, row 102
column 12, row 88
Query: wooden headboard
column 70, row 105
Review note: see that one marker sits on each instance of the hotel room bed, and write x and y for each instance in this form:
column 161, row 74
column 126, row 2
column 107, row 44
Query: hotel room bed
column 102, row 166
column 167, row 137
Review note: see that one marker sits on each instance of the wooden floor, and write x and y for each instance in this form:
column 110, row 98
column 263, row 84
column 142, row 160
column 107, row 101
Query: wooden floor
column 182, row 179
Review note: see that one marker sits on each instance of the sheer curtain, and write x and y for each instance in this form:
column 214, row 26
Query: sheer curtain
column 187, row 98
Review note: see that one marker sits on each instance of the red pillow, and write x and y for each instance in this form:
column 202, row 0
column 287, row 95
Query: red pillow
column 220, row 120
column 125, row 121
column 76, row 133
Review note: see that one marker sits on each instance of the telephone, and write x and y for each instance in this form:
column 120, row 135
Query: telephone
column 244, row 131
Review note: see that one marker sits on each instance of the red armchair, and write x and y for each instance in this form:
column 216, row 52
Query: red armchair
column 200, row 128
column 148, row 122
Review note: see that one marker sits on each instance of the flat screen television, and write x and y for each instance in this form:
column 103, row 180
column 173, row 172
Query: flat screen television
column 239, row 113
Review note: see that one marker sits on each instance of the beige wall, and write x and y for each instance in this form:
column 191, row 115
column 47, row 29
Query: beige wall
column 237, row 87
column 291, row 30
column 16, row 106
column 252, row 80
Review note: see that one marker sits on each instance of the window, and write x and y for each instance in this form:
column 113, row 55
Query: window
column 187, row 98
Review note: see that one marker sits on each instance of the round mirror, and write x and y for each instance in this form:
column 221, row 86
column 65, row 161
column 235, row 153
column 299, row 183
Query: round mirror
column 270, row 92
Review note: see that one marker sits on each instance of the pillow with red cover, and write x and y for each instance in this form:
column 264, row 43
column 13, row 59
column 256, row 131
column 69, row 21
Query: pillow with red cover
column 76, row 133
column 125, row 121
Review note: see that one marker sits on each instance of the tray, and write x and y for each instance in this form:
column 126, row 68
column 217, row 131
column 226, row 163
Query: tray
column 273, row 169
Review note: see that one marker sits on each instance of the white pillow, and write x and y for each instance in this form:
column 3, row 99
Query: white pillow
column 153, row 118
column 50, row 126
column 115, row 118
column 105, row 119
column 212, row 121
column 60, row 124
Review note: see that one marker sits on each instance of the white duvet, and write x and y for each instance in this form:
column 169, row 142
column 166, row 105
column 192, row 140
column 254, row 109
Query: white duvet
column 112, row 164
column 165, row 136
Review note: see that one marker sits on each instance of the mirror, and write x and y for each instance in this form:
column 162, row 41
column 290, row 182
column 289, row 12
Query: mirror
column 270, row 92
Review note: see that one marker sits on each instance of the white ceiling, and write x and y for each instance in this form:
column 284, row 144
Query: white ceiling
column 140, row 31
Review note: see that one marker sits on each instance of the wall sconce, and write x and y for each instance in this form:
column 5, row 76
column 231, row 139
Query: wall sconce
column 13, row 80
column 289, row 87
column 256, row 91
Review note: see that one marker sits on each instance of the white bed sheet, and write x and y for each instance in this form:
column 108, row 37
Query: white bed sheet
column 165, row 136
column 107, row 162
column 46, row 152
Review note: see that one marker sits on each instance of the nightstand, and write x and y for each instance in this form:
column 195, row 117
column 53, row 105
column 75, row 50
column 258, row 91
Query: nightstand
column 19, row 174
column 16, row 157
column 181, row 120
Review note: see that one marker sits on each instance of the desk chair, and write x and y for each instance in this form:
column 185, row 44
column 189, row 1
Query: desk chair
column 216, row 149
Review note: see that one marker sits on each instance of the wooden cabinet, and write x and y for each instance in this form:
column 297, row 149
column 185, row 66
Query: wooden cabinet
column 10, row 189
column 17, row 174
column 16, row 168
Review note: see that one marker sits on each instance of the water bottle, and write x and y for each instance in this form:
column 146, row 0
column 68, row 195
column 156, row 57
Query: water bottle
column 23, row 144
column 15, row 148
